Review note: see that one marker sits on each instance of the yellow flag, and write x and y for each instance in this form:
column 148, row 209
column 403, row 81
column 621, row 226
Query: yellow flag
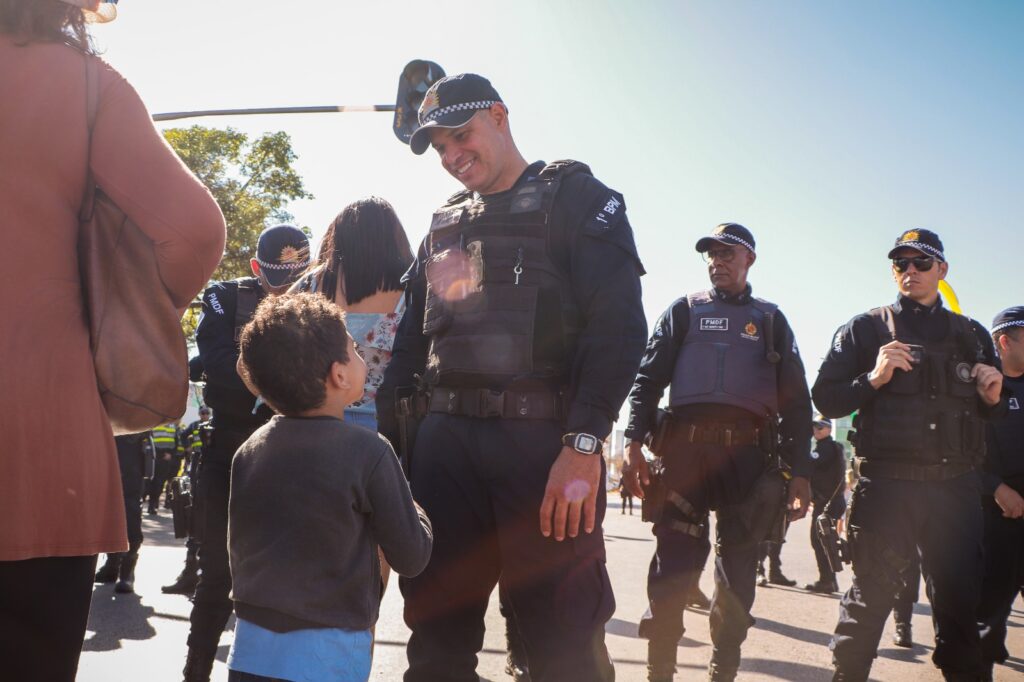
column 952, row 302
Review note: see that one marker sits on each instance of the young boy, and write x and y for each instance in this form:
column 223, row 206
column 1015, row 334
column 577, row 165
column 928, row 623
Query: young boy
column 312, row 498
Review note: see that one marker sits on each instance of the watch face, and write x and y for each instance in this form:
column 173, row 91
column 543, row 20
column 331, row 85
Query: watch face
column 586, row 443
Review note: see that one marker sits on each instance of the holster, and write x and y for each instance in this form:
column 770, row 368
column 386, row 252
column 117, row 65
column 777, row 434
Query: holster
column 655, row 493
column 836, row 550
column 411, row 406
column 180, row 502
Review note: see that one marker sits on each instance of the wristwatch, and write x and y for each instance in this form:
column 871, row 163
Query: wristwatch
column 583, row 443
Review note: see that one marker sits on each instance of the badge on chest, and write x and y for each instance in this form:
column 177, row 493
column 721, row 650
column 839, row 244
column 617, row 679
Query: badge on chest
column 714, row 324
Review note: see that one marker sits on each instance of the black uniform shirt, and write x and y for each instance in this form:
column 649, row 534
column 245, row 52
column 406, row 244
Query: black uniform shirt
column 842, row 386
column 828, row 473
column 659, row 363
column 597, row 249
column 1004, row 458
column 225, row 392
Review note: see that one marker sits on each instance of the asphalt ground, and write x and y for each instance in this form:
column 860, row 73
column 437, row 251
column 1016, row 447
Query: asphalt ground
column 142, row 636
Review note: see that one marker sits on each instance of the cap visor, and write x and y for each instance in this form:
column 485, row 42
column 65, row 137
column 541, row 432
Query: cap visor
column 420, row 139
column 911, row 245
column 705, row 243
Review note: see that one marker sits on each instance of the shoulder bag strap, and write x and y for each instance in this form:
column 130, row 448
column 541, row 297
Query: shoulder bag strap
column 92, row 88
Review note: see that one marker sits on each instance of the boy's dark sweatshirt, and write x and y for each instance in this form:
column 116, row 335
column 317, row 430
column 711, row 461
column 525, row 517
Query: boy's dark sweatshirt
column 311, row 499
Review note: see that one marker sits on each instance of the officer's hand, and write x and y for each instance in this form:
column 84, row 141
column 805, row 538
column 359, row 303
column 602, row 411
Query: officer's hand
column 799, row 498
column 988, row 381
column 1010, row 501
column 571, row 494
column 635, row 470
column 892, row 356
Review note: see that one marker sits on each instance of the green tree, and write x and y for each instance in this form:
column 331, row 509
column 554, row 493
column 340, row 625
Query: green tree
column 252, row 182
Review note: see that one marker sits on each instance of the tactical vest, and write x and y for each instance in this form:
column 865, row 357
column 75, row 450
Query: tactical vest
column 728, row 356
column 249, row 296
column 928, row 415
column 499, row 309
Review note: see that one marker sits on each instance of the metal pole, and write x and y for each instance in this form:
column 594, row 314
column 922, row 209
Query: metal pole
column 173, row 116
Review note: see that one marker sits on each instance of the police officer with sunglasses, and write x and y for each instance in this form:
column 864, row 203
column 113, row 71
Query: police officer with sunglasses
column 923, row 380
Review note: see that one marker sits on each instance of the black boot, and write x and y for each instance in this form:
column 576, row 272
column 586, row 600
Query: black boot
column 904, row 636
column 823, row 586
column 661, row 673
column 850, row 674
column 187, row 580
column 198, row 666
column 126, row 573
column 723, row 665
column 108, row 571
column 661, row 660
column 775, row 577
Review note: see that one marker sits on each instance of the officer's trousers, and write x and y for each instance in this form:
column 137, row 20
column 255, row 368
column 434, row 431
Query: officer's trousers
column 130, row 462
column 891, row 521
column 825, row 572
column 1004, row 576
column 705, row 477
column 163, row 471
column 481, row 482
column 212, row 605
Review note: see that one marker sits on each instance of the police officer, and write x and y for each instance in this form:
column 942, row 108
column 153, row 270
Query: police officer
column 282, row 254
column 187, row 580
column 922, row 379
column 738, row 400
column 168, row 447
column 133, row 451
column 1003, row 500
column 828, row 476
column 524, row 314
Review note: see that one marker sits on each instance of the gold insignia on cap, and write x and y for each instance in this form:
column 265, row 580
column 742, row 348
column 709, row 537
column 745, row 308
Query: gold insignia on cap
column 430, row 102
column 910, row 236
column 290, row 254
column 719, row 230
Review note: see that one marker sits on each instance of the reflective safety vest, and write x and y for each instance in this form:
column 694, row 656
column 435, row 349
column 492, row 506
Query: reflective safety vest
column 728, row 356
column 928, row 415
column 165, row 437
column 498, row 308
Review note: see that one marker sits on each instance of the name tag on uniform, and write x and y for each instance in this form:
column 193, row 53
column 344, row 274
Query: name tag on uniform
column 714, row 324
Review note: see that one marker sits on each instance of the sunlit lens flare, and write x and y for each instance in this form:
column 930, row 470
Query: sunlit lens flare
column 453, row 275
column 577, row 491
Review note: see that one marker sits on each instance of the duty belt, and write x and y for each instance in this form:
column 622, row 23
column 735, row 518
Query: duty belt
column 908, row 471
column 482, row 402
column 718, row 434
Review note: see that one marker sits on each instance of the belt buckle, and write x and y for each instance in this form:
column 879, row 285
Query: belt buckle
column 492, row 403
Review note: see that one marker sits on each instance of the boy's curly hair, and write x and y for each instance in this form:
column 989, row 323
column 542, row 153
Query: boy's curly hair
column 289, row 346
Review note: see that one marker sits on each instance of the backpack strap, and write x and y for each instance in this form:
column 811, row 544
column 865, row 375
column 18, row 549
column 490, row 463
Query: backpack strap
column 92, row 96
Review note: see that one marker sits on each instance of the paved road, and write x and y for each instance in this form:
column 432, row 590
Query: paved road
column 142, row 637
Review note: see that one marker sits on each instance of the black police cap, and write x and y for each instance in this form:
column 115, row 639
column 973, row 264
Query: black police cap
column 450, row 103
column 925, row 241
column 729, row 234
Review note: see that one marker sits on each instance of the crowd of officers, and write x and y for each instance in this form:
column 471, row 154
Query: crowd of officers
column 525, row 333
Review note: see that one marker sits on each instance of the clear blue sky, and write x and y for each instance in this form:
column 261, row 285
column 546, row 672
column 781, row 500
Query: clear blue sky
column 827, row 128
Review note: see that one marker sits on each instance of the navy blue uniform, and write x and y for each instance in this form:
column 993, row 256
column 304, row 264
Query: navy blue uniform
column 897, row 517
column 1004, row 538
column 708, row 476
column 233, row 422
column 481, row 480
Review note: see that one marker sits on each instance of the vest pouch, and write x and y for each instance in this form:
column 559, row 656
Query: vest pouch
column 907, row 383
column 706, row 367
column 490, row 333
column 973, row 430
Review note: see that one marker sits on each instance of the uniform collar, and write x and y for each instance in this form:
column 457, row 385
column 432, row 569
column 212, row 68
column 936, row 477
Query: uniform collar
column 909, row 305
column 737, row 299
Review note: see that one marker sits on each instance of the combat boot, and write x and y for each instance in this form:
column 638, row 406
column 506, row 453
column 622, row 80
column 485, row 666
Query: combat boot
column 823, row 587
column 126, row 573
column 187, row 580
column 904, row 636
column 516, row 666
column 198, row 666
column 108, row 571
column 775, row 577
column 850, row 674
column 661, row 660
column 762, row 579
column 721, row 673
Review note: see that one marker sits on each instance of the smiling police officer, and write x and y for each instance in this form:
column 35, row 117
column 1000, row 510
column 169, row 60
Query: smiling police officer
column 524, row 314
column 923, row 379
column 1003, row 502
column 738, row 401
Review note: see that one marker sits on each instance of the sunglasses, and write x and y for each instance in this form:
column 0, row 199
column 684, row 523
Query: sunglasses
column 920, row 263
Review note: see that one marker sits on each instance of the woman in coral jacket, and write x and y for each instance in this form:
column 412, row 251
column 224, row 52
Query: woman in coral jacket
column 60, row 493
